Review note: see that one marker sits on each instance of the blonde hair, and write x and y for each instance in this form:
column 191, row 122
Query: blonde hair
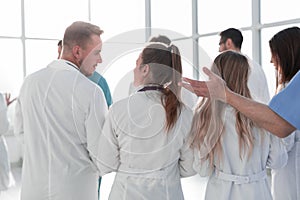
column 207, row 126
column 79, row 33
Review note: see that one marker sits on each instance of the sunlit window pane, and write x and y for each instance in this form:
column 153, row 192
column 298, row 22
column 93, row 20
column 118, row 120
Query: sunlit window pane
column 49, row 18
column 39, row 53
column 186, row 51
column 11, row 69
column 216, row 15
column 118, row 17
column 174, row 15
column 268, row 67
column 247, row 43
column 272, row 11
column 119, row 74
column 210, row 45
column 10, row 18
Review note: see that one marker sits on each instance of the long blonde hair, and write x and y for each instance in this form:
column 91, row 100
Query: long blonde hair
column 207, row 126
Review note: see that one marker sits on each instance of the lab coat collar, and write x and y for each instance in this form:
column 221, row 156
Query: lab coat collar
column 63, row 64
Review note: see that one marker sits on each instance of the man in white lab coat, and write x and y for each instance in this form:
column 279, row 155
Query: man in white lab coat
column 61, row 114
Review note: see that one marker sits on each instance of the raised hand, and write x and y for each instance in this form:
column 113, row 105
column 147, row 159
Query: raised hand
column 8, row 100
column 214, row 88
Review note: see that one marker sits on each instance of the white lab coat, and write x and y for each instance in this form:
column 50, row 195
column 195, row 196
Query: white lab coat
column 257, row 82
column 286, row 181
column 61, row 114
column 148, row 160
column 245, row 179
column 6, row 178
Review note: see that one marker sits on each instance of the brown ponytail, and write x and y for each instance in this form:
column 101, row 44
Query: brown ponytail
column 158, row 56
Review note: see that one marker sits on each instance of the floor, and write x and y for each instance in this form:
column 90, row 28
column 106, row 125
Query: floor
column 193, row 187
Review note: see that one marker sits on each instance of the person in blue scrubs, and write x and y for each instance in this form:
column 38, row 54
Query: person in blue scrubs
column 286, row 180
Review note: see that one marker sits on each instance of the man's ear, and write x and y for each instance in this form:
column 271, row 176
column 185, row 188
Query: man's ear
column 146, row 70
column 76, row 51
column 229, row 43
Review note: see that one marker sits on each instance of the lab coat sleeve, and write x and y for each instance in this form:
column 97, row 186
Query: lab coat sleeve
column 108, row 153
column 4, row 123
column 186, row 161
column 289, row 141
column 278, row 154
column 18, row 122
column 94, row 122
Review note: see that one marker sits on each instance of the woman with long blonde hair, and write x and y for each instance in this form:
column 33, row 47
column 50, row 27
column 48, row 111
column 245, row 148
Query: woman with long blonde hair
column 228, row 146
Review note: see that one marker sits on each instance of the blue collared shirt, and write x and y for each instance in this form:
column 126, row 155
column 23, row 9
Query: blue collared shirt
column 287, row 102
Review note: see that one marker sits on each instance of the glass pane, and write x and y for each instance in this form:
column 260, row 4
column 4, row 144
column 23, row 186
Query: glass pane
column 216, row 15
column 268, row 67
column 272, row 11
column 39, row 53
column 186, row 51
column 10, row 18
column 49, row 19
column 247, row 43
column 119, row 74
column 174, row 15
column 210, row 45
column 115, row 20
column 11, row 69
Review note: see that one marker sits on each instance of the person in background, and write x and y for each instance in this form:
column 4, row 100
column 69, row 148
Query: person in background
column 232, row 39
column 145, row 135
column 6, row 177
column 286, row 181
column 280, row 117
column 229, row 147
column 61, row 114
column 59, row 48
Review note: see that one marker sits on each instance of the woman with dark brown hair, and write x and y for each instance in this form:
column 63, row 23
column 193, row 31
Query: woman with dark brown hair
column 145, row 135
column 285, row 51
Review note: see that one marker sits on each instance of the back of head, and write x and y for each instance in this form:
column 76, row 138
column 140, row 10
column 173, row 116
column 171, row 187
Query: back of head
column 161, row 38
column 285, row 46
column 234, row 34
column 234, row 69
column 164, row 62
column 161, row 51
column 79, row 33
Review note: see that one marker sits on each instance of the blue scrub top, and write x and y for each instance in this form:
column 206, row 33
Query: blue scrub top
column 100, row 80
column 287, row 102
